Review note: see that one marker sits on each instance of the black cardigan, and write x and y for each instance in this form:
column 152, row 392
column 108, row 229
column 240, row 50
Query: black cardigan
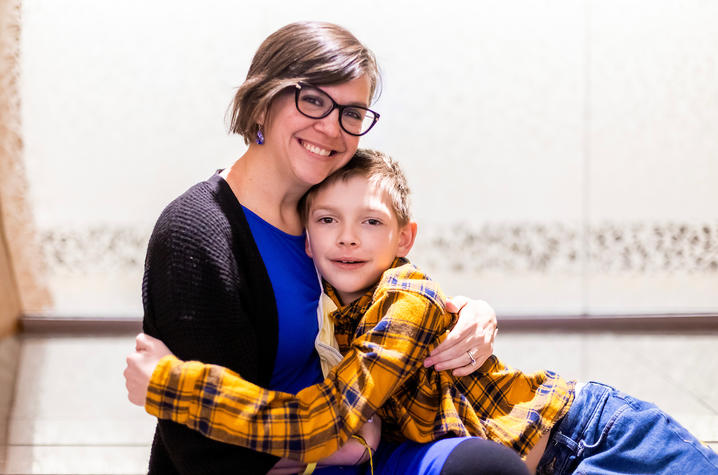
column 207, row 295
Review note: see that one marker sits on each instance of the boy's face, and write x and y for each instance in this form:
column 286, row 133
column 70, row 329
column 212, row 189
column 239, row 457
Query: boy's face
column 353, row 235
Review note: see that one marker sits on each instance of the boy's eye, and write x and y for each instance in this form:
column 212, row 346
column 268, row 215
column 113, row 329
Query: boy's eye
column 373, row 222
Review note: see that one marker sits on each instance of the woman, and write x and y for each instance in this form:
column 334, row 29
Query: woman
column 226, row 277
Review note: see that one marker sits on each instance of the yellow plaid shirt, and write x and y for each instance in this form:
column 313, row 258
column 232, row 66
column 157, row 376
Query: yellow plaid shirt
column 385, row 335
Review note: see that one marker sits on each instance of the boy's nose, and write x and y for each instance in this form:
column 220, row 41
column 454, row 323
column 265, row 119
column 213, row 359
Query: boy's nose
column 348, row 237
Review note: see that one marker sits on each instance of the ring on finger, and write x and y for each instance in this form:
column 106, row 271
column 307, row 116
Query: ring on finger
column 471, row 357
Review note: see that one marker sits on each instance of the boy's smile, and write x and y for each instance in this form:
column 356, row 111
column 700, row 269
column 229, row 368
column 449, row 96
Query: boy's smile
column 353, row 235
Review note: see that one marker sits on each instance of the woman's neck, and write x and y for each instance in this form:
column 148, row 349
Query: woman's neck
column 264, row 190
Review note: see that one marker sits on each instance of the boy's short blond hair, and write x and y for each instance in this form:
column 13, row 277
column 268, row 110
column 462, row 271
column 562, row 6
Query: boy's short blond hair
column 380, row 169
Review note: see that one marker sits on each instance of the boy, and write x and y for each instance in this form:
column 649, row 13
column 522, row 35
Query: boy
column 389, row 316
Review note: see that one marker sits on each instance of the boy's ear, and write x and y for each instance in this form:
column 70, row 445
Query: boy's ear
column 407, row 236
column 308, row 246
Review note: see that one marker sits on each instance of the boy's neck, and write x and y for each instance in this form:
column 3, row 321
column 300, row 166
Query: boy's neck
column 346, row 300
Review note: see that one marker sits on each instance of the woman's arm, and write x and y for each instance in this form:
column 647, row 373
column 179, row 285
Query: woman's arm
column 186, row 304
column 474, row 332
column 319, row 419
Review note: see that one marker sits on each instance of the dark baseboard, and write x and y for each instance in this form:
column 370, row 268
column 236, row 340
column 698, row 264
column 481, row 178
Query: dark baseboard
column 68, row 325
column 648, row 323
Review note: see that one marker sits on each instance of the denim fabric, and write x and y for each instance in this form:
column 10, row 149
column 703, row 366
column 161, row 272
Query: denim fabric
column 607, row 431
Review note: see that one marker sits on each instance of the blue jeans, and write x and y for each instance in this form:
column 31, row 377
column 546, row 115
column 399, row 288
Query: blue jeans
column 607, row 431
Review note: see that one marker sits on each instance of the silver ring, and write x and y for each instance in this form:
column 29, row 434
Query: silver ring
column 471, row 356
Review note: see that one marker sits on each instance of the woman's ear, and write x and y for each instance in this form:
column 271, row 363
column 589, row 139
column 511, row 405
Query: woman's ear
column 407, row 236
column 259, row 120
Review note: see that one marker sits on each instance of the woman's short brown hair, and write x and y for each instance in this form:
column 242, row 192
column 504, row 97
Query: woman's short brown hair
column 315, row 52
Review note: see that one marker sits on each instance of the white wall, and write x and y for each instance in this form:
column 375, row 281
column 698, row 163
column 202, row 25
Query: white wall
column 563, row 155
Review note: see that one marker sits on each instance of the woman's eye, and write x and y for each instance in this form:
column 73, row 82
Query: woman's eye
column 354, row 114
column 326, row 220
column 316, row 101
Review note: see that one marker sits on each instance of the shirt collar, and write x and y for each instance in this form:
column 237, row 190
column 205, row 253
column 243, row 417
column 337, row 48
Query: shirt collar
column 349, row 313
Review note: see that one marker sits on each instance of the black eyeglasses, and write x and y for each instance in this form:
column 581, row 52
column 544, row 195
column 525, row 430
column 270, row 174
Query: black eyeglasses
column 317, row 104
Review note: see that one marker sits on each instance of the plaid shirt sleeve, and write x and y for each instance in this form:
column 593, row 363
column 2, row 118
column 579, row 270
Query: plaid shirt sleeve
column 315, row 422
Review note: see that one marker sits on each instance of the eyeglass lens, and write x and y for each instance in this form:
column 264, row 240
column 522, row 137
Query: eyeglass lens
column 317, row 104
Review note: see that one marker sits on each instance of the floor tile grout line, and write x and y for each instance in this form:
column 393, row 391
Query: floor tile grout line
column 648, row 364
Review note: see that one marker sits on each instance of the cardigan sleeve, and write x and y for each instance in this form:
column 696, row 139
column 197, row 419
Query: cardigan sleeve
column 193, row 302
column 319, row 419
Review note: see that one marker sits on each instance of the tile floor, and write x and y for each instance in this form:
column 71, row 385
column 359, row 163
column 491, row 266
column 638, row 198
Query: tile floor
column 71, row 416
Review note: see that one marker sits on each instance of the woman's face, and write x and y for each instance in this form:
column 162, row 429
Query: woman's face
column 311, row 149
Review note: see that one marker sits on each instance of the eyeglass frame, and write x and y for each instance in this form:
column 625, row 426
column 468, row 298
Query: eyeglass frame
column 335, row 105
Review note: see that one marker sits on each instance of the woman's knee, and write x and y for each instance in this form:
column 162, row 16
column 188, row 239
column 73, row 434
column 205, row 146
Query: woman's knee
column 483, row 457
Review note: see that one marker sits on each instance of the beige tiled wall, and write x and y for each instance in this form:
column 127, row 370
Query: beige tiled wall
column 9, row 299
column 562, row 154
column 22, row 277
column 654, row 153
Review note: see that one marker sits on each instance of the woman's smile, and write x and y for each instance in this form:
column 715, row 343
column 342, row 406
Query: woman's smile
column 316, row 149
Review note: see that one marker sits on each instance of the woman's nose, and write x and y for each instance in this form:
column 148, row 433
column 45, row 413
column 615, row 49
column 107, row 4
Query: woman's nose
column 329, row 125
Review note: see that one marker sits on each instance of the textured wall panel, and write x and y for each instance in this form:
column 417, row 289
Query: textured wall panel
column 23, row 253
column 560, row 153
column 654, row 155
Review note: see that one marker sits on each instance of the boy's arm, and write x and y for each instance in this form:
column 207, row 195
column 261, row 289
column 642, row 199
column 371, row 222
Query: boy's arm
column 352, row 452
column 149, row 351
column 319, row 419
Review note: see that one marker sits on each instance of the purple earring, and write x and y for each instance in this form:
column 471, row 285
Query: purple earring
column 260, row 136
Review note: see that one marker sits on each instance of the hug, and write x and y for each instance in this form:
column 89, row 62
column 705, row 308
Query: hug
column 300, row 339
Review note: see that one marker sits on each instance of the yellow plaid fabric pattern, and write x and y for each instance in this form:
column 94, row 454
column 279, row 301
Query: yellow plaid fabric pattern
column 392, row 331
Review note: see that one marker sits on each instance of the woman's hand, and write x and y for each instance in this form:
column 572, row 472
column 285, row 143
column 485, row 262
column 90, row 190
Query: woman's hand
column 470, row 342
column 287, row 467
column 140, row 365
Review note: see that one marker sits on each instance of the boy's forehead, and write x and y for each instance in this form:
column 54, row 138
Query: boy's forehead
column 355, row 191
